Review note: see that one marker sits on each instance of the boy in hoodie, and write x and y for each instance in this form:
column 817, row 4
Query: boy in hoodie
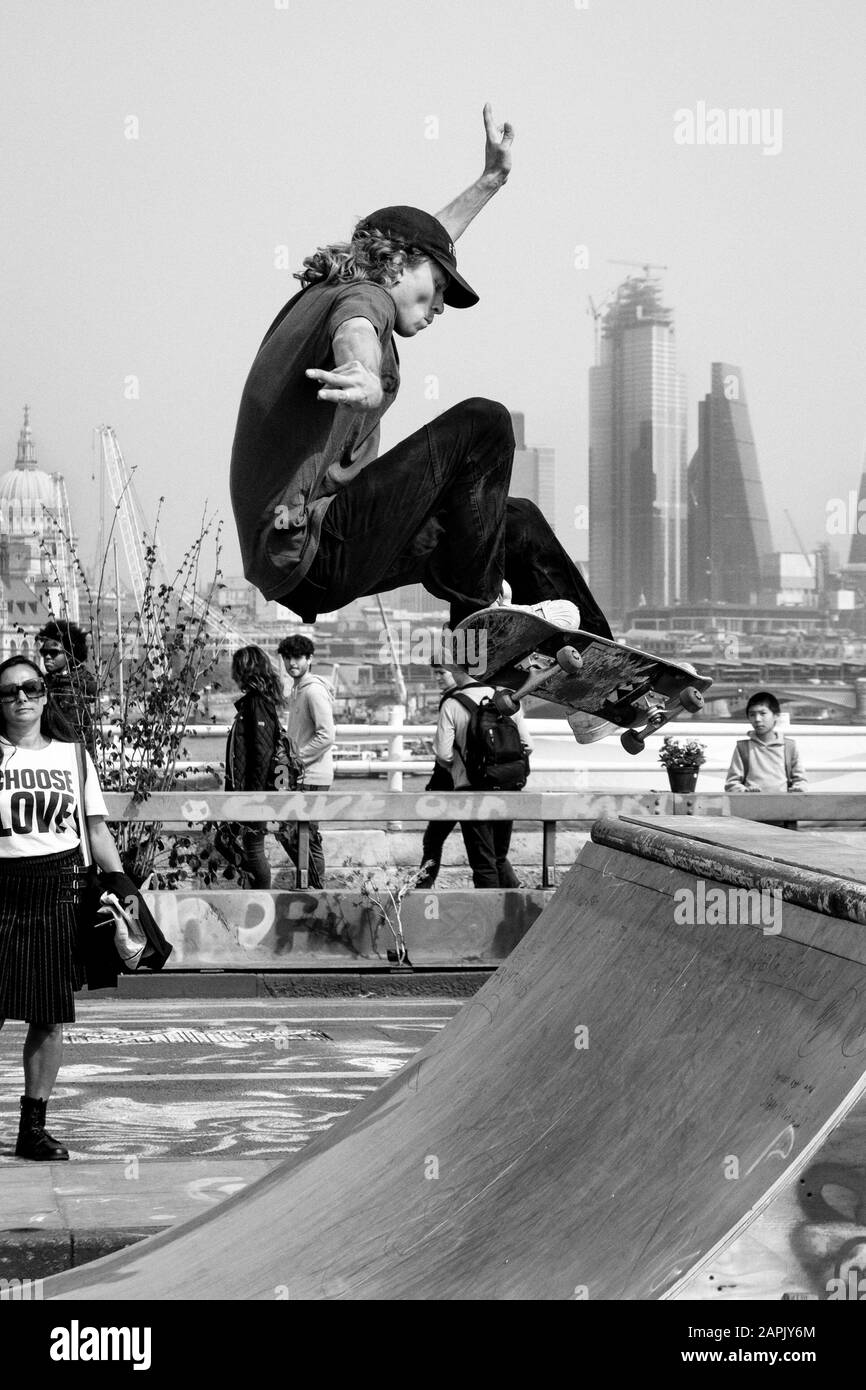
column 766, row 761
column 311, row 727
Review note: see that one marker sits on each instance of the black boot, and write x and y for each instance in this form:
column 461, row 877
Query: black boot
column 34, row 1141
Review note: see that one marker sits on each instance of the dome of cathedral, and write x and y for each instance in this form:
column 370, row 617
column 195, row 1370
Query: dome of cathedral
column 26, row 482
column 30, row 486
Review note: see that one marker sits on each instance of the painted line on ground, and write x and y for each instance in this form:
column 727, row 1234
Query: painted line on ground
column 120, row 1079
column 395, row 1020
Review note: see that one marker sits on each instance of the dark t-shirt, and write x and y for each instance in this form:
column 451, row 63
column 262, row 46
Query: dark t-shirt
column 291, row 451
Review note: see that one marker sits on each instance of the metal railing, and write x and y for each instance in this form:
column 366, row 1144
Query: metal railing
column 578, row 809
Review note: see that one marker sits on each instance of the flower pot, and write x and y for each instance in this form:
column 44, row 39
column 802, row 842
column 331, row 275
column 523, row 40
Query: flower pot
column 683, row 779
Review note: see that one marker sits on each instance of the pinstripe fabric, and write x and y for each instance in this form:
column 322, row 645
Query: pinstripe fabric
column 39, row 964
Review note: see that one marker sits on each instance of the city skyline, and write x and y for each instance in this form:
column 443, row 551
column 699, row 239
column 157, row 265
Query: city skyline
column 165, row 188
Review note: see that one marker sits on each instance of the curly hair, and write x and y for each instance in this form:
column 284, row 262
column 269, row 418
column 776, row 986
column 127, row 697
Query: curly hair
column 368, row 256
column 252, row 670
column 53, row 723
column 69, row 635
column 296, row 645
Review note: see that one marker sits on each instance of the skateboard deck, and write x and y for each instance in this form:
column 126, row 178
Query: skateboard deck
column 522, row 654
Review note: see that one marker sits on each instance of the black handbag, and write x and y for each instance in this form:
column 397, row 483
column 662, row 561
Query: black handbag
column 117, row 931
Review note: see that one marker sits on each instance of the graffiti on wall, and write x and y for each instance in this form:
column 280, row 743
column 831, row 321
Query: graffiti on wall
column 219, row 928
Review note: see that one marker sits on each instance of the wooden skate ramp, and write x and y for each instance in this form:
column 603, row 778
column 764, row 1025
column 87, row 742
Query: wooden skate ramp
column 621, row 1097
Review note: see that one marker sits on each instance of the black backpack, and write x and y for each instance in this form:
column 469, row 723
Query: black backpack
column 495, row 758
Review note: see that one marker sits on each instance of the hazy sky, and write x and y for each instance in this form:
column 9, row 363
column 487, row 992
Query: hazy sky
column 271, row 123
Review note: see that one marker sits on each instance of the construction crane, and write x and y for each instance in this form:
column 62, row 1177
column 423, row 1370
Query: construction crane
column 130, row 521
column 811, row 560
column 800, row 546
column 64, row 561
column 645, row 266
column 135, row 534
column 597, row 316
column 396, row 668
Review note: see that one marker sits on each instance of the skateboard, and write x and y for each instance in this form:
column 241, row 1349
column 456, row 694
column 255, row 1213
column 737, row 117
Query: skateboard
column 522, row 654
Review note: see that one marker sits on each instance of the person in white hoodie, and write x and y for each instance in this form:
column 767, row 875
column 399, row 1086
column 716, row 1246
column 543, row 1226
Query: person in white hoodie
column 766, row 761
column 311, row 728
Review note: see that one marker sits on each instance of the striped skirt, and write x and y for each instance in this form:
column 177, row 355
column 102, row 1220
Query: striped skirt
column 40, row 967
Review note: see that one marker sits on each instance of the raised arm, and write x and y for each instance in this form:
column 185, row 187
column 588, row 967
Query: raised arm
column 355, row 381
column 497, row 166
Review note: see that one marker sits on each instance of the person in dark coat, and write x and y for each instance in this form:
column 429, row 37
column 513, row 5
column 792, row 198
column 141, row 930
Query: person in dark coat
column 40, row 883
column 251, row 744
column 73, row 688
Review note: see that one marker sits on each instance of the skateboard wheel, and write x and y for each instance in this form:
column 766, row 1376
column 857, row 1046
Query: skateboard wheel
column 569, row 659
column 504, row 702
column 632, row 741
column 691, row 699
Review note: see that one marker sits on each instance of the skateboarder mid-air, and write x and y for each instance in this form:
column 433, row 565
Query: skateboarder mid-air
column 322, row 518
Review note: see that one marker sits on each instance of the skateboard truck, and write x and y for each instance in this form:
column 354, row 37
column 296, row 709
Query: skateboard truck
column 568, row 659
column 633, row 740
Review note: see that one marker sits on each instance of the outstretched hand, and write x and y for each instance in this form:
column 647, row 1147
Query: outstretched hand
column 351, row 384
column 497, row 147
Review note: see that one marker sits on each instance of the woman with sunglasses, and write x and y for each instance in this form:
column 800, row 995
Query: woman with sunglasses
column 40, row 856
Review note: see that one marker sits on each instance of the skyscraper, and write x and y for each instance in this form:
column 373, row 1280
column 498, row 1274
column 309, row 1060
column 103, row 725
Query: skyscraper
column 533, row 473
column 728, row 528
column 637, row 454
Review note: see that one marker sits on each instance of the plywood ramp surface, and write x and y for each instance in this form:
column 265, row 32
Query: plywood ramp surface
column 573, row 1133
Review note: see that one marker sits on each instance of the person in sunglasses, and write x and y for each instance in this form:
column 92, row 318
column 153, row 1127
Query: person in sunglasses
column 63, row 649
column 40, row 967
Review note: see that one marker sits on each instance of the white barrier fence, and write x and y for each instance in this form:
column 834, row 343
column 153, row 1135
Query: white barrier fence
column 834, row 755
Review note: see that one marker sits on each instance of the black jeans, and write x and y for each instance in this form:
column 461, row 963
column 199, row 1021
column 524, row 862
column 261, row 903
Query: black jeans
column 487, row 845
column 288, row 838
column 435, row 510
column 255, row 859
column 437, row 831
column 433, row 843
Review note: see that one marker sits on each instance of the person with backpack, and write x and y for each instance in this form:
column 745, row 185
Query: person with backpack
column 484, row 751
column 765, row 761
column 437, row 831
column 312, row 731
column 255, row 742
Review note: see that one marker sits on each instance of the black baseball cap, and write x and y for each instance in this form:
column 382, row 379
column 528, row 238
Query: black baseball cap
column 428, row 234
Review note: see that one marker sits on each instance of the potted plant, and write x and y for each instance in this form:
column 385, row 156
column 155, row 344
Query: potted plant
column 682, row 760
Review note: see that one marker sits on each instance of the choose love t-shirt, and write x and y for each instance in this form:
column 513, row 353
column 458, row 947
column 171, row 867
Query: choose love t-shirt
column 39, row 799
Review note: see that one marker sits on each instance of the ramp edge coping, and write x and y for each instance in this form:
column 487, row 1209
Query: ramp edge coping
column 829, row 894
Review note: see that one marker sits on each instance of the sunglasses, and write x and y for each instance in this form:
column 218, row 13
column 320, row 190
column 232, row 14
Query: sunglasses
column 31, row 690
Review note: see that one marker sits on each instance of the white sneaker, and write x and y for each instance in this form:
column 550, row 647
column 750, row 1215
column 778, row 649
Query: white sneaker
column 560, row 612
column 589, row 728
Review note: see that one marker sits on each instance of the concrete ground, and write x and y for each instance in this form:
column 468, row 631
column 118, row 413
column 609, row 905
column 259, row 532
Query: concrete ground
column 170, row 1105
